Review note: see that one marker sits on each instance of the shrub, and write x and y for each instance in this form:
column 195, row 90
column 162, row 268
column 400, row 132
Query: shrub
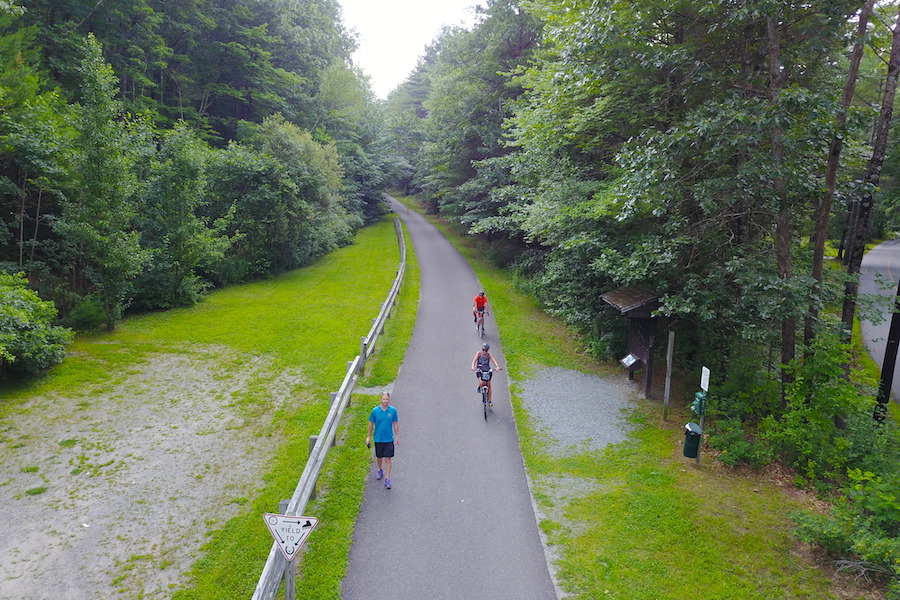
column 29, row 342
column 811, row 435
column 88, row 315
column 737, row 447
column 862, row 529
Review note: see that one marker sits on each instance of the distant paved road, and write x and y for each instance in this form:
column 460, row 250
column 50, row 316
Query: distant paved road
column 881, row 263
column 459, row 522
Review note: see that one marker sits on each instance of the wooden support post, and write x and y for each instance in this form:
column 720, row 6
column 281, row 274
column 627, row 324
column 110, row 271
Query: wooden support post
column 669, row 353
column 289, row 573
column 312, row 444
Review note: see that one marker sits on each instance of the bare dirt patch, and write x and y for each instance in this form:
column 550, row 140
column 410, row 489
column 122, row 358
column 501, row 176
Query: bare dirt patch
column 110, row 492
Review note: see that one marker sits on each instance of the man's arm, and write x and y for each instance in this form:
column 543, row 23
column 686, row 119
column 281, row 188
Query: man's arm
column 369, row 432
column 396, row 431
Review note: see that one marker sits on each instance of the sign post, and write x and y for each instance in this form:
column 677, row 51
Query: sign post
column 700, row 402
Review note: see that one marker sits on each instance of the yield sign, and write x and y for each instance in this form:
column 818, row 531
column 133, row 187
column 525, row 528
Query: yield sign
column 290, row 532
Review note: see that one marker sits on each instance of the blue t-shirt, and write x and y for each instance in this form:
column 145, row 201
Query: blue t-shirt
column 384, row 423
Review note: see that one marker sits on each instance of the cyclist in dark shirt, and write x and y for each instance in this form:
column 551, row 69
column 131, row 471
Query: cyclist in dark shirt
column 481, row 363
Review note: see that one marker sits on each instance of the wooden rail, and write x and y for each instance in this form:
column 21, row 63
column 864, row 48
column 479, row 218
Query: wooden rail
column 276, row 565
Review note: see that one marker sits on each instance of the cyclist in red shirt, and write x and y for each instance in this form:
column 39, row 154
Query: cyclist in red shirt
column 479, row 306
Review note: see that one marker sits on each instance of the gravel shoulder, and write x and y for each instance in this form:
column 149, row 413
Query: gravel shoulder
column 109, row 492
column 578, row 411
column 575, row 412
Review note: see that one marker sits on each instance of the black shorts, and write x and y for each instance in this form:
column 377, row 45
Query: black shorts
column 384, row 449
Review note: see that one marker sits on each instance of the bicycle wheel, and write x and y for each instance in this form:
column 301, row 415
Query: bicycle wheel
column 484, row 401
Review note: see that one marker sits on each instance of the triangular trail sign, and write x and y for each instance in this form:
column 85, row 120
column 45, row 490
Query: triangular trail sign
column 290, row 532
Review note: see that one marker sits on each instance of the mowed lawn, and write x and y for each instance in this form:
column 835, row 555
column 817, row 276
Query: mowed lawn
column 291, row 338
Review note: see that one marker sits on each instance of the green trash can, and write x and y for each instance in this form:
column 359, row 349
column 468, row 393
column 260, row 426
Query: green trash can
column 692, row 436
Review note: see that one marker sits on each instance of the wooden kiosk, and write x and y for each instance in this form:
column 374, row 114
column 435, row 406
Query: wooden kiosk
column 638, row 305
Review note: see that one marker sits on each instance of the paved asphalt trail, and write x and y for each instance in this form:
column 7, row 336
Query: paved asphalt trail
column 880, row 266
column 459, row 522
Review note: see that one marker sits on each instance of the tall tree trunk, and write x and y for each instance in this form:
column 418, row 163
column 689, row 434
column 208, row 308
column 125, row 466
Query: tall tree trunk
column 860, row 233
column 37, row 225
column 783, row 220
column 834, row 155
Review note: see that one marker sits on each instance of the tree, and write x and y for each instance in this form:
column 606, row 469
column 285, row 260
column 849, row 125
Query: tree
column 178, row 240
column 98, row 215
column 35, row 145
column 471, row 94
column 859, row 234
column 670, row 145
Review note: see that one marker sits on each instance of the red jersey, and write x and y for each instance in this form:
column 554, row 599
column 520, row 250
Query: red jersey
column 480, row 301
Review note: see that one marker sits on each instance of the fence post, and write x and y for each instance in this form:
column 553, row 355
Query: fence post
column 312, row 444
column 289, row 569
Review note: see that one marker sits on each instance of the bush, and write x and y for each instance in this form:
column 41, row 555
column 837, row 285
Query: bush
column 737, row 447
column 811, row 435
column 862, row 528
column 29, row 343
column 88, row 315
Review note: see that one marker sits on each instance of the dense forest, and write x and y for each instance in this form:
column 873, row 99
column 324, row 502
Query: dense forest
column 150, row 150
column 717, row 154
column 731, row 157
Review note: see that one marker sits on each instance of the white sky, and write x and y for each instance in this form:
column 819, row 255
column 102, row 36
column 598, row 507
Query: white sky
column 394, row 33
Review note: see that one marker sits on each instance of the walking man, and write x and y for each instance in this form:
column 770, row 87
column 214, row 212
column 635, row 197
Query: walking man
column 383, row 421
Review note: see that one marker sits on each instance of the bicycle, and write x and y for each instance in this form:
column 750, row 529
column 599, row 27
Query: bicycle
column 479, row 323
column 484, row 376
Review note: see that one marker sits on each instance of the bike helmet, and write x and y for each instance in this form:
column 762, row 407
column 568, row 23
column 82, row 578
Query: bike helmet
column 481, row 293
column 485, row 346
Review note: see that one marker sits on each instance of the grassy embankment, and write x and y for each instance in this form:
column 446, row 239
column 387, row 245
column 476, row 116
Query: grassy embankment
column 303, row 328
column 639, row 521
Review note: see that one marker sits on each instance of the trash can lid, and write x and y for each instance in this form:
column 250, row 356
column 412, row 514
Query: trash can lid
column 693, row 428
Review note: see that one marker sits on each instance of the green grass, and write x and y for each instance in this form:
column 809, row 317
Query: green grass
column 236, row 553
column 638, row 520
column 309, row 321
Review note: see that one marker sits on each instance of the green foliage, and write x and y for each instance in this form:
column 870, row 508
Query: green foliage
column 470, row 96
column 88, row 314
column 179, row 241
column 862, row 527
column 736, row 446
column 108, row 184
column 810, row 435
column 97, row 215
column 29, row 342
column 280, row 201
